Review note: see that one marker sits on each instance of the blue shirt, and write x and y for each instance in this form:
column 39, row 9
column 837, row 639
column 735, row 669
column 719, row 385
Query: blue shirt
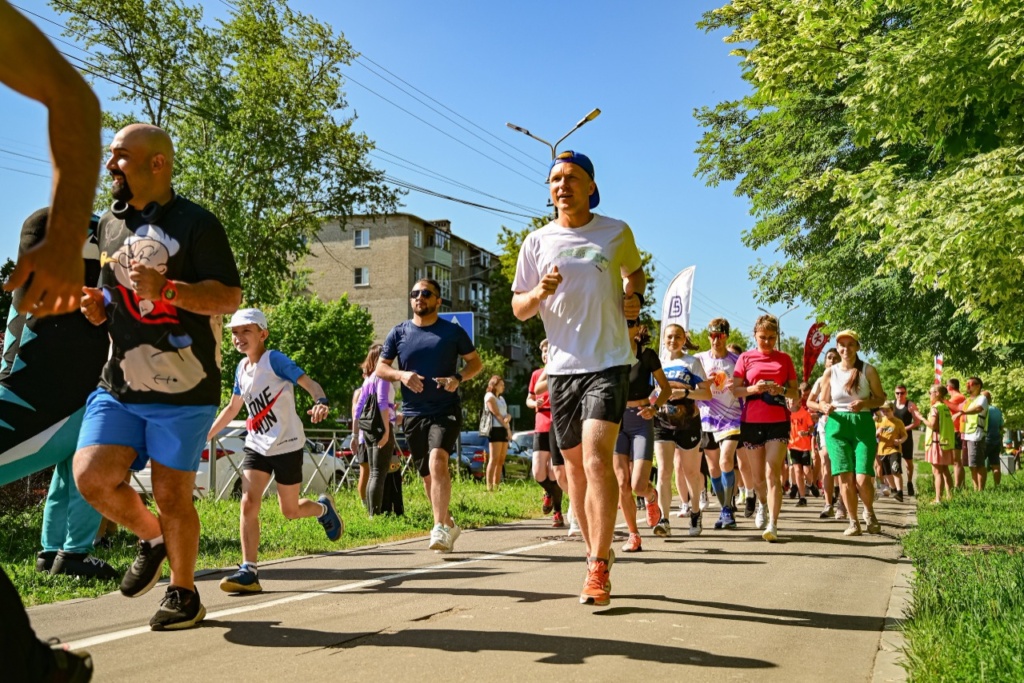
column 995, row 425
column 432, row 351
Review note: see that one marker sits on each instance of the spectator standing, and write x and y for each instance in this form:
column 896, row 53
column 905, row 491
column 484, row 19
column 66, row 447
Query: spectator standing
column 994, row 442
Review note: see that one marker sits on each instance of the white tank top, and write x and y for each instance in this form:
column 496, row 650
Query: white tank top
column 841, row 398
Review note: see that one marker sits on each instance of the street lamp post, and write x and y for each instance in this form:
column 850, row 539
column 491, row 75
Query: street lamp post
column 554, row 147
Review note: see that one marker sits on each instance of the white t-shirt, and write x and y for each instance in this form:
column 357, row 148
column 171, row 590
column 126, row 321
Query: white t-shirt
column 500, row 400
column 841, row 398
column 724, row 410
column 583, row 319
column 267, row 389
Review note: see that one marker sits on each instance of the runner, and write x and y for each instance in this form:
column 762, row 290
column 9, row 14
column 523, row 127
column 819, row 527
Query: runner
column 634, row 448
column 428, row 350
column 814, row 403
column 168, row 277
column 955, row 401
column 975, row 432
column 378, row 451
column 906, row 411
column 274, row 440
column 540, row 388
column 573, row 272
column 994, row 442
column 891, row 435
column 720, row 420
column 850, row 390
column 801, row 430
column 940, row 443
column 543, row 470
column 765, row 378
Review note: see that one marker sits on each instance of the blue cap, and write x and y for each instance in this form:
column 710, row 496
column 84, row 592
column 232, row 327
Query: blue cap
column 584, row 162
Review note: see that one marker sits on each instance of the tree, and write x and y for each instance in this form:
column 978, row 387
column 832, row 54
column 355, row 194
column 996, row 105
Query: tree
column 328, row 340
column 254, row 106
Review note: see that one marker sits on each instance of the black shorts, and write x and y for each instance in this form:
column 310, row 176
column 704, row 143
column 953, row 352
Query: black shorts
column 424, row 433
column 362, row 454
column 497, row 435
column 708, row 442
column 556, row 455
column 286, row 467
column 686, row 439
column 958, row 443
column 993, row 449
column 588, row 396
column 891, row 463
column 802, row 458
column 907, row 447
column 541, row 442
column 757, row 434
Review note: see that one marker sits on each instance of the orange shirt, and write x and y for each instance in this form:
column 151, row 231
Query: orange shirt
column 800, row 421
column 955, row 403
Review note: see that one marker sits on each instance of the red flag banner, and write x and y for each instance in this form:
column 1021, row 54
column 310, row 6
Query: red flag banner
column 816, row 340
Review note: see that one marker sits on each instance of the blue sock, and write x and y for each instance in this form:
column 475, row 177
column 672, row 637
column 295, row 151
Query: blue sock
column 728, row 484
column 719, row 488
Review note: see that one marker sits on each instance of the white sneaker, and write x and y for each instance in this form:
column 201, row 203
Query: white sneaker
column 761, row 516
column 684, row 511
column 696, row 525
column 771, row 533
column 453, row 535
column 704, row 502
column 440, row 538
column 574, row 527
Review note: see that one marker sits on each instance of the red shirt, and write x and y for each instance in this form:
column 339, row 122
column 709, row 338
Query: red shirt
column 955, row 403
column 542, row 423
column 800, row 421
column 754, row 366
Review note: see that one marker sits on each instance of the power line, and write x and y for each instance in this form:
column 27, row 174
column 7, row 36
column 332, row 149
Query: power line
column 18, row 170
column 409, row 186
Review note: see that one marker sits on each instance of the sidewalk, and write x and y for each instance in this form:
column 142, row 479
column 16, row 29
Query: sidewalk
column 722, row 606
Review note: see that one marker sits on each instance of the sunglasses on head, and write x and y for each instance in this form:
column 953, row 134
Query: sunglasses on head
column 632, row 323
column 718, row 335
column 417, row 293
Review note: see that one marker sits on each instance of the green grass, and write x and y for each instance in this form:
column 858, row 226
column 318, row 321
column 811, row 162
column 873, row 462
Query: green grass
column 967, row 615
column 472, row 506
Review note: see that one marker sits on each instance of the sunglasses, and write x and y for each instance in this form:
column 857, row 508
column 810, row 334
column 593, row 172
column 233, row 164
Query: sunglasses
column 417, row 293
column 632, row 323
column 718, row 335
column 901, row 393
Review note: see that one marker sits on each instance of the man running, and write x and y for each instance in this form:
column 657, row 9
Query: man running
column 573, row 272
column 905, row 409
column 168, row 276
column 543, row 470
column 428, row 349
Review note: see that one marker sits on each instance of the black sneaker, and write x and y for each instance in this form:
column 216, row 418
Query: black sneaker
column 748, row 511
column 814, row 491
column 74, row 666
column 910, row 488
column 145, row 570
column 793, row 491
column 802, row 503
column 44, row 560
column 180, row 609
column 83, row 566
column 898, row 496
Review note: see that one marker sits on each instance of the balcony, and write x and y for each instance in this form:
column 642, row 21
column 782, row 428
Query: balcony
column 438, row 256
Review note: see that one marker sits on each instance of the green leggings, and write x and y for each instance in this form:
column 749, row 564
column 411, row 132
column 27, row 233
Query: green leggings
column 851, row 442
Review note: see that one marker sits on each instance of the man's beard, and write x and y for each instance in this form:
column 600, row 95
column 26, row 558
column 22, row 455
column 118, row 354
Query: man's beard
column 121, row 190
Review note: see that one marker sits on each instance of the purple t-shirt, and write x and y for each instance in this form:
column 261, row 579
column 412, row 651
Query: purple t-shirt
column 385, row 397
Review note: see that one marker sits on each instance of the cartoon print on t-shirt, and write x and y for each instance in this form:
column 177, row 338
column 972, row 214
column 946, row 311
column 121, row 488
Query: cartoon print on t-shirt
column 146, row 367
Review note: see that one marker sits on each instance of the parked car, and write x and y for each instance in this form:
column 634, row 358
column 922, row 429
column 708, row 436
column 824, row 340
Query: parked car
column 518, row 462
column 525, row 440
column 317, row 471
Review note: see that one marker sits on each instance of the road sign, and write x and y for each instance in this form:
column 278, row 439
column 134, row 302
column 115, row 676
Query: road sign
column 463, row 320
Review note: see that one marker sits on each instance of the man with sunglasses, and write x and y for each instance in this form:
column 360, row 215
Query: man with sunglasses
column 906, row 411
column 428, row 350
column 582, row 273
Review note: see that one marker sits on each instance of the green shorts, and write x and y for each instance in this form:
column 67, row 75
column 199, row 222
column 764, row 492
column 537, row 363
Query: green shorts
column 851, row 442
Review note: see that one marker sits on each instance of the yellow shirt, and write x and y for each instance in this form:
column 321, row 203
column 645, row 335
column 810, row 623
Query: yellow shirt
column 889, row 430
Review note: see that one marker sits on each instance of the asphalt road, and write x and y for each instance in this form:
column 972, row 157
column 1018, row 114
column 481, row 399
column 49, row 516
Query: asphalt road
column 504, row 606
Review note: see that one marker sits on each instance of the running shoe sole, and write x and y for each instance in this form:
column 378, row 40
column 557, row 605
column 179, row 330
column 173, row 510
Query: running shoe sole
column 770, row 535
column 232, row 587
column 182, row 625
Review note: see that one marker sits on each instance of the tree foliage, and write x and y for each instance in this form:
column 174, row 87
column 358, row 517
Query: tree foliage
column 255, row 107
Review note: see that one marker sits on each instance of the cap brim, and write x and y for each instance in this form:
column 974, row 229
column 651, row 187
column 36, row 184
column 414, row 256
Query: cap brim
column 595, row 198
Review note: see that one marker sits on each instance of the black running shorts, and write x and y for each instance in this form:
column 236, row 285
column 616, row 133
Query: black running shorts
column 427, row 432
column 286, row 467
column 588, row 396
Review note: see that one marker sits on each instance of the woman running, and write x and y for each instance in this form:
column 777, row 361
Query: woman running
column 497, row 437
column 765, row 378
column 720, row 420
column 677, row 431
column 543, row 470
column 850, row 390
column 829, row 511
column 939, row 439
column 634, row 448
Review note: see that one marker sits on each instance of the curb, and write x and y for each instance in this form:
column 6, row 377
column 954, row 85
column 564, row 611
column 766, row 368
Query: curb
column 890, row 659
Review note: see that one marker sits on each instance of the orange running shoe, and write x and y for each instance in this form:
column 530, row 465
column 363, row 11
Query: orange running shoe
column 632, row 544
column 653, row 512
column 596, row 589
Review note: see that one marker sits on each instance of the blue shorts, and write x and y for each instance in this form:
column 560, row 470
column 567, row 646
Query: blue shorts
column 174, row 436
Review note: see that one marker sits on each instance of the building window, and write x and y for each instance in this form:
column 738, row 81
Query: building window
column 419, row 273
column 462, row 259
column 443, row 277
column 362, row 277
column 417, row 238
column 362, row 238
column 462, row 292
column 438, row 239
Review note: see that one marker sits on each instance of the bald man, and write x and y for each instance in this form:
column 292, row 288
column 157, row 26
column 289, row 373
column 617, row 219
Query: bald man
column 167, row 276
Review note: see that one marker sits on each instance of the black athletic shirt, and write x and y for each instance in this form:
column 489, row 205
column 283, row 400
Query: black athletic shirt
column 903, row 414
column 432, row 351
column 641, row 375
column 162, row 354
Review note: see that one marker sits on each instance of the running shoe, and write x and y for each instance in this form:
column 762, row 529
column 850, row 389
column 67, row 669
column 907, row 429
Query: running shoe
column 574, row 527
column 632, row 544
column 662, row 528
column 557, row 522
column 653, row 513
column 814, row 491
column 841, row 515
column 827, row 512
column 454, row 531
column 761, row 516
column 771, row 533
column 69, row 665
column 180, row 609
column 728, row 518
column 793, row 491
column 704, row 502
column 719, row 523
column 696, row 527
column 748, row 511
column 910, row 488
column 684, row 511
column 802, row 503
column 330, row 521
column 245, row 580
column 145, row 570
column 82, row 566
column 853, row 529
column 440, row 538
column 873, row 527
column 841, row 509
column 44, row 560
column 547, row 505
column 597, row 586
column 898, row 496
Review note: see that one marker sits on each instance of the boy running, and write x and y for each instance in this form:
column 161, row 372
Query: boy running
column 273, row 445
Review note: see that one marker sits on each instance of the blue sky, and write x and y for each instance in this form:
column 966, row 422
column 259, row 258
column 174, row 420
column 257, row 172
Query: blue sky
column 540, row 65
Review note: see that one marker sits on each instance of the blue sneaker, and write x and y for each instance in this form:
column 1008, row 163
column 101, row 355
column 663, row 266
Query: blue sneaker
column 330, row 521
column 727, row 518
column 721, row 518
column 245, row 580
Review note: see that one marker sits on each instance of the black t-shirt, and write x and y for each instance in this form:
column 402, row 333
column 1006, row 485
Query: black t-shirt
column 163, row 354
column 641, row 375
column 432, row 351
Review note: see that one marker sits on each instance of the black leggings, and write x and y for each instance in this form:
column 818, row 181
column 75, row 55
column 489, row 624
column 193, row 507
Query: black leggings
column 379, row 458
column 30, row 659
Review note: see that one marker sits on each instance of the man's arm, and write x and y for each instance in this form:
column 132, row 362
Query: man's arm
column 525, row 305
column 635, row 283
column 208, row 297
column 976, row 407
column 32, row 66
column 407, row 377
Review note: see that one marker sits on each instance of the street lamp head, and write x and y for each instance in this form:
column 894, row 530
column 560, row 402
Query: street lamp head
column 593, row 115
column 519, row 129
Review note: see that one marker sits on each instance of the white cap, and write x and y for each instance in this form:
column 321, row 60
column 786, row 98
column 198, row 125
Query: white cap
column 248, row 316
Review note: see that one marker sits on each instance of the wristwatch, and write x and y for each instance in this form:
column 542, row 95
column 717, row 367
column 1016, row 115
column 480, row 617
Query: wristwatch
column 321, row 402
column 169, row 292
column 458, row 376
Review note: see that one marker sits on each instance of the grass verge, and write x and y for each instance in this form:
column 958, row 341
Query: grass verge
column 967, row 614
column 472, row 506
